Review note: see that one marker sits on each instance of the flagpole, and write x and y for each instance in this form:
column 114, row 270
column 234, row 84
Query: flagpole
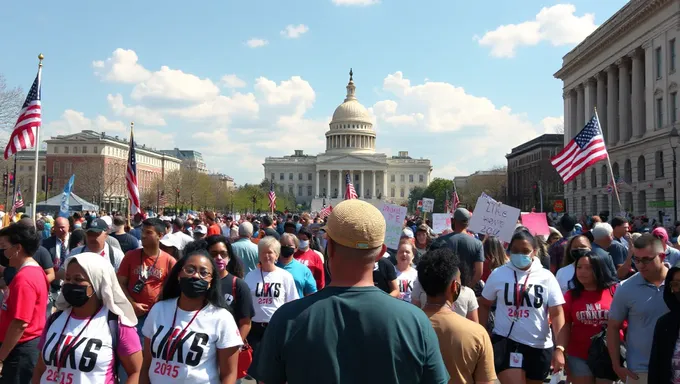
column 34, row 206
column 611, row 171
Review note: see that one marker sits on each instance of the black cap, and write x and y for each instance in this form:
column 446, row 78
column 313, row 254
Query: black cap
column 567, row 222
column 97, row 225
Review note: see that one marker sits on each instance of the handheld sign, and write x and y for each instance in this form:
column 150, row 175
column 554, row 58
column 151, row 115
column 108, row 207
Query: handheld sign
column 394, row 219
column 428, row 204
column 494, row 219
column 536, row 222
column 441, row 222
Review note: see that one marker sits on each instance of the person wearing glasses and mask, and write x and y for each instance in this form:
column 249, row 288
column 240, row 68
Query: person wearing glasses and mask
column 191, row 336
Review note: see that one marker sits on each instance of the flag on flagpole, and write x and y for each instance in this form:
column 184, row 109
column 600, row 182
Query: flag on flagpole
column 18, row 201
column 131, row 177
column 326, row 211
column 350, row 192
column 584, row 150
column 272, row 196
column 162, row 200
column 26, row 128
column 454, row 199
column 447, row 207
column 610, row 185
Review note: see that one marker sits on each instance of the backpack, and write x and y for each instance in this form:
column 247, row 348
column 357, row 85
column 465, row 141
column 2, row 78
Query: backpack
column 598, row 361
column 112, row 320
column 111, row 258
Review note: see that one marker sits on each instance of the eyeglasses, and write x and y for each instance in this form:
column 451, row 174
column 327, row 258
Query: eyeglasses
column 190, row 270
column 643, row 260
column 223, row 254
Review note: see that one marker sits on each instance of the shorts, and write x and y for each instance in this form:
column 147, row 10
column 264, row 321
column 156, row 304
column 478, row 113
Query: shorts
column 578, row 367
column 535, row 361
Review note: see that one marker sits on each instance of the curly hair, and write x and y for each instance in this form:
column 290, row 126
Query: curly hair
column 436, row 270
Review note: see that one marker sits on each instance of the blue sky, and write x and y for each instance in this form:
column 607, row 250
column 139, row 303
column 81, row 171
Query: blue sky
column 458, row 82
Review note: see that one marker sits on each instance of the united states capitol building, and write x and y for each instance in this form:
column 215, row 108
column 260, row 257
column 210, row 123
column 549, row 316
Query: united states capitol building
column 350, row 149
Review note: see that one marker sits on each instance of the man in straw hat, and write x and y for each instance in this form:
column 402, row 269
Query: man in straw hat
column 350, row 331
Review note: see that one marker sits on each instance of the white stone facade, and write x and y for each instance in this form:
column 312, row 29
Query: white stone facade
column 350, row 149
column 628, row 69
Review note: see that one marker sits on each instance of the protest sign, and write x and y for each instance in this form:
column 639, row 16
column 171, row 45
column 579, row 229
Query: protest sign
column 494, row 219
column 428, row 205
column 536, row 222
column 441, row 222
column 394, row 219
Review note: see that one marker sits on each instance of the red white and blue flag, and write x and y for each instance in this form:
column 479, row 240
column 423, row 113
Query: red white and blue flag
column 350, row 192
column 131, row 178
column 326, row 211
column 30, row 118
column 584, row 150
column 272, row 196
column 455, row 201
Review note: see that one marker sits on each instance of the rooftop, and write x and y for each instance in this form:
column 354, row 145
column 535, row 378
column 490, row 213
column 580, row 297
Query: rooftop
column 93, row 135
column 548, row 139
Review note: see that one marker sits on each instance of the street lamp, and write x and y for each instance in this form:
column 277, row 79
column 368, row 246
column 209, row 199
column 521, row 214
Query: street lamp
column 674, row 139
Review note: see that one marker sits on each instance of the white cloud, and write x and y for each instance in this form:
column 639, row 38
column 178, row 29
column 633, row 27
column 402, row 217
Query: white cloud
column 361, row 3
column 173, row 84
column 139, row 114
column 73, row 121
column 448, row 171
column 232, row 81
column 553, row 124
column 294, row 31
column 222, row 108
column 557, row 24
column 295, row 92
column 121, row 67
column 256, row 43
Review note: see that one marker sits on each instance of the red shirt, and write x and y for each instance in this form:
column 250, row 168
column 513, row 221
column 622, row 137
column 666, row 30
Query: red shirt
column 214, row 230
column 26, row 301
column 586, row 314
column 314, row 263
column 157, row 273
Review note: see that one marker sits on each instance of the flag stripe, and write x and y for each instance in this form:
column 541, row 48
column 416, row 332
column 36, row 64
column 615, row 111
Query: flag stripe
column 584, row 150
column 131, row 178
column 350, row 192
column 28, row 122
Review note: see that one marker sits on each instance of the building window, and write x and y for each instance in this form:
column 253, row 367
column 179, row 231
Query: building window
column 309, row 177
column 671, row 55
column 30, row 168
column 299, row 190
column 21, row 168
column 272, row 176
column 659, row 63
column 392, row 178
column 410, row 178
column 674, row 107
column 290, row 176
column 56, row 149
column 658, row 164
column 55, row 168
column 401, row 192
column 281, row 177
column 402, row 178
column 84, row 149
column 95, row 150
column 392, row 192
column 299, row 176
column 659, row 113
column 67, row 169
column 75, row 150
column 290, row 189
column 309, row 190
column 421, row 178
column 65, row 149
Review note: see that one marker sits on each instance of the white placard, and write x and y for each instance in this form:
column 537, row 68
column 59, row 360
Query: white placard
column 441, row 222
column 428, row 204
column 394, row 218
column 493, row 218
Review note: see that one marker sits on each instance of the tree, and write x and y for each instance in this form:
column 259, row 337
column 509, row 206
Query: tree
column 439, row 190
column 494, row 185
column 413, row 197
column 90, row 181
column 11, row 100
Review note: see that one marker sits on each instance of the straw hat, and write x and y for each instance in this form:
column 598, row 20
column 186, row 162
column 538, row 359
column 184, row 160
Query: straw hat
column 356, row 224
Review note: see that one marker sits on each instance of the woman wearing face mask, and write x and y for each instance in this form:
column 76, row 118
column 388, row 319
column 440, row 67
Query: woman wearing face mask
column 191, row 335
column 664, row 360
column 304, row 280
column 586, row 310
column 524, row 293
column 270, row 288
column 576, row 247
column 93, row 329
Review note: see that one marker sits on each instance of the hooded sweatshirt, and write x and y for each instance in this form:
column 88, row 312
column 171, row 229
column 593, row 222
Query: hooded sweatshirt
column 664, row 360
column 505, row 284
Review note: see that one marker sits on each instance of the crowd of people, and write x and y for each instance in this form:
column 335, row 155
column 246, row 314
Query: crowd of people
column 213, row 298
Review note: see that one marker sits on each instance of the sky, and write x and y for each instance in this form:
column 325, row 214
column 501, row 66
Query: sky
column 458, row 82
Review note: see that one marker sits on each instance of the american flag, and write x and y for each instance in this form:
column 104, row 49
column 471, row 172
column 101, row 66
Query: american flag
column 586, row 149
column 272, row 196
column 131, row 178
column 18, row 201
column 350, row 192
column 610, row 186
column 455, row 201
column 326, row 211
column 29, row 121
column 162, row 200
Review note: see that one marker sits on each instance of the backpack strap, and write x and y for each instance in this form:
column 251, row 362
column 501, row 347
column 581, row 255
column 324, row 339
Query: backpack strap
column 111, row 258
column 52, row 318
column 112, row 320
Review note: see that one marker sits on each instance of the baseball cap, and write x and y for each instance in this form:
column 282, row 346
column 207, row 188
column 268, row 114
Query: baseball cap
column 170, row 241
column 407, row 232
column 201, row 229
column 98, row 225
column 567, row 222
column 661, row 234
column 461, row 215
column 108, row 220
column 356, row 224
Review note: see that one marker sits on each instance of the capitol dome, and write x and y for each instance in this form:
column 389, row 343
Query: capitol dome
column 351, row 129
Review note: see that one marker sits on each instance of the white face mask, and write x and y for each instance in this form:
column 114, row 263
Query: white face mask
column 304, row 244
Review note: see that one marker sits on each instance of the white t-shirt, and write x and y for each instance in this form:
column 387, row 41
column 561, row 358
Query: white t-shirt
column 464, row 304
column 405, row 281
column 564, row 276
column 542, row 292
column 194, row 360
column 269, row 291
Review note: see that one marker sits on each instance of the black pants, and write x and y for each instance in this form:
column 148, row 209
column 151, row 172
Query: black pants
column 255, row 335
column 19, row 365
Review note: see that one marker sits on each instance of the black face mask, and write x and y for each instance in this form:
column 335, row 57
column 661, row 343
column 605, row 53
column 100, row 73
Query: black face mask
column 9, row 274
column 287, row 251
column 578, row 253
column 75, row 295
column 193, row 287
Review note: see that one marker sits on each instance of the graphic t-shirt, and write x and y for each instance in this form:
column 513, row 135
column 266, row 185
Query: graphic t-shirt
column 675, row 363
column 269, row 291
column 587, row 314
column 383, row 274
column 542, row 291
column 25, row 300
column 405, row 282
column 90, row 359
column 239, row 301
column 191, row 358
column 313, row 261
column 134, row 266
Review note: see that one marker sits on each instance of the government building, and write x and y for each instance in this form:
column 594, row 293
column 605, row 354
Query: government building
column 350, row 150
column 628, row 69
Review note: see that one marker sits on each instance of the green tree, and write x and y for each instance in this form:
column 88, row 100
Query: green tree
column 413, row 197
column 439, row 190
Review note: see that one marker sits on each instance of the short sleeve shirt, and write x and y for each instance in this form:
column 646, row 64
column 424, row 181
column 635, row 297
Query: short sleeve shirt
column 237, row 295
column 156, row 269
column 383, row 274
column 269, row 291
column 25, row 301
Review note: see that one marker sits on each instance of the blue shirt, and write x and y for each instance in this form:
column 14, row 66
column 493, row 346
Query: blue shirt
column 304, row 280
column 641, row 303
column 247, row 251
column 672, row 255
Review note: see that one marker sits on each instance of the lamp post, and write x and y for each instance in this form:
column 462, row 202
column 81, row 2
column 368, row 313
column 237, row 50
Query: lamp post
column 674, row 139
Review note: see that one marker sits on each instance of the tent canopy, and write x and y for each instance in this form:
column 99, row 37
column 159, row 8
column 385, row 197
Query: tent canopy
column 76, row 204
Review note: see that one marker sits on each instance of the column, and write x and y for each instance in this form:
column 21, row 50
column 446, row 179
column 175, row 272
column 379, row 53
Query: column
column 649, row 89
column 612, row 106
column 580, row 108
column 590, row 95
column 384, row 191
column 638, row 96
column 363, row 186
column 340, row 184
column 317, row 183
column 567, row 115
column 624, row 101
column 573, row 118
column 374, row 185
column 328, row 180
column 602, row 102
